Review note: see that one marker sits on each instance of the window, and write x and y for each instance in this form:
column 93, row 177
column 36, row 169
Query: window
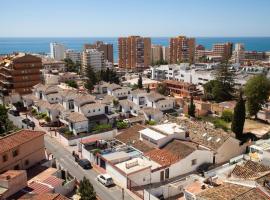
column 94, row 110
column 193, row 162
column 26, row 162
column 17, row 167
column 15, row 153
column 5, row 158
column 167, row 173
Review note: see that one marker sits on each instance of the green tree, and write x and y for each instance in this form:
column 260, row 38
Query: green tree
column 91, row 78
column 222, row 88
column 256, row 91
column 162, row 89
column 191, row 108
column 148, row 89
column 72, row 83
column 86, row 190
column 71, row 66
column 227, row 115
column 140, row 82
column 239, row 117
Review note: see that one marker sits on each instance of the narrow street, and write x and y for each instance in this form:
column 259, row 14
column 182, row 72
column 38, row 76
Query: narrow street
column 66, row 160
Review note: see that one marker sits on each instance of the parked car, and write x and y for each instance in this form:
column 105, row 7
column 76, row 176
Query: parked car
column 14, row 112
column 26, row 121
column 105, row 179
column 204, row 167
column 31, row 124
column 85, row 164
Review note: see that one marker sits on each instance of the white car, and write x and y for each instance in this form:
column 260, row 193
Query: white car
column 105, row 179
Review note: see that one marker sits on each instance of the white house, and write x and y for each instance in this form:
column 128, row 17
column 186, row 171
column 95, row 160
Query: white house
column 156, row 100
column 76, row 122
column 138, row 97
column 118, row 91
column 151, row 114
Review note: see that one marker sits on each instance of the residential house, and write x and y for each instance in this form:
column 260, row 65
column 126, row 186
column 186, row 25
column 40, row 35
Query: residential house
column 118, row 91
column 138, row 97
column 151, row 114
column 11, row 182
column 76, row 122
column 223, row 145
column 156, row 100
column 21, row 150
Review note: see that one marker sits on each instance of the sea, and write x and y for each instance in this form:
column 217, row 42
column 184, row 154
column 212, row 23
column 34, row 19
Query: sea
column 42, row 45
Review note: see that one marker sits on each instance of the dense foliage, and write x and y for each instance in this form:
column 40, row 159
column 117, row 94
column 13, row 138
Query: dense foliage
column 86, row 190
column 257, row 91
column 222, row 87
column 239, row 117
column 191, row 108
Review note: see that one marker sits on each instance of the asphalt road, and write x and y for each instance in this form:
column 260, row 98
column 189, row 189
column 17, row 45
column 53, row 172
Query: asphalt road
column 66, row 160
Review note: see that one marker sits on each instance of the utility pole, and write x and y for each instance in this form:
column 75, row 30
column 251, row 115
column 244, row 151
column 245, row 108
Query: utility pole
column 123, row 194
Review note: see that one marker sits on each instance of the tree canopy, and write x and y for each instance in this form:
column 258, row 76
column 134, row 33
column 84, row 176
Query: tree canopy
column 239, row 117
column 86, row 190
column 257, row 91
column 222, row 87
column 191, row 108
column 140, row 82
column 71, row 66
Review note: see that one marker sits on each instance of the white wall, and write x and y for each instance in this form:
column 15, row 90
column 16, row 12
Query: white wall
column 229, row 149
column 141, row 177
column 79, row 127
column 119, row 178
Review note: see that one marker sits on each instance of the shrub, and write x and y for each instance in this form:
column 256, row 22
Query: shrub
column 102, row 127
column 219, row 123
column 151, row 122
column 121, row 124
column 34, row 111
column 227, row 115
column 47, row 119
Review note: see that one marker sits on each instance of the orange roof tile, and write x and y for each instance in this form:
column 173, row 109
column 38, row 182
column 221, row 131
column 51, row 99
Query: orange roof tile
column 18, row 138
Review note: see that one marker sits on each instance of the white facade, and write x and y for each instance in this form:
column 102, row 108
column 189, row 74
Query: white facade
column 73, row 55
column 166, row 53
column 57, row 51
column 93, row 58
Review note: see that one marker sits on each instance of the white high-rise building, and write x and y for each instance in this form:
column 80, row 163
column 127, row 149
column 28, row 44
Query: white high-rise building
column 75, row 56
column 57, row 51
column 166, row 53
column 93, row 58
column 239, row 53
column 156, row 53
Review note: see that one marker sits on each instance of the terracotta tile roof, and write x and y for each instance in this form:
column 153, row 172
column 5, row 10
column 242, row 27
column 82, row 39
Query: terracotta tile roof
column 264, row 181
column 83, row 98
column 16, row 139
column 132, row 136
column 162, row 157
column 249, row 170
column 57, row 106
column 43, row 196
column 200, row 132
column 113, row 86
column 151, row 111
column 137, row 91
column 76, row 117
column 126, row 102
column 253, row 194
column 171, row 153
column 226, row 191
column 39, row 188
column 53, row 181
column 42, row 104
column 154, row 96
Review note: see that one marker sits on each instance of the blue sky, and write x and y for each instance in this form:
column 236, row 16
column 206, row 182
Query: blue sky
column 109, row 18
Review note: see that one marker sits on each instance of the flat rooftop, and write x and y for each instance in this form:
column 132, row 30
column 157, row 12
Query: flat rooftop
column 152, row 134
column 169, row 128
column 136, row 164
